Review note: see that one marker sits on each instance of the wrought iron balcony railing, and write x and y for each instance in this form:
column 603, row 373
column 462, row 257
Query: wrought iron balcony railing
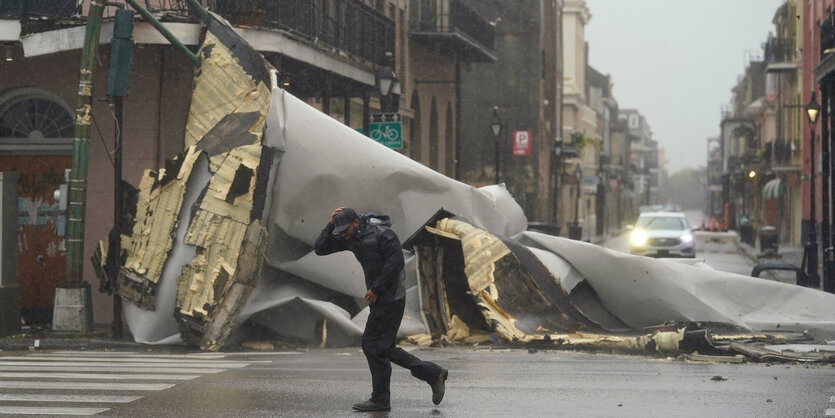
column 780, row 50
column 38, row 8
column 348, row 25
column 452, row 24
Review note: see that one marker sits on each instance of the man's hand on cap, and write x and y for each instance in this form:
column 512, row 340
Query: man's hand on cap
column 335, row 211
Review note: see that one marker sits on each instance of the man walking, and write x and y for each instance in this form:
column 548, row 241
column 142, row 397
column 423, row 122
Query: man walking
column 378, row 251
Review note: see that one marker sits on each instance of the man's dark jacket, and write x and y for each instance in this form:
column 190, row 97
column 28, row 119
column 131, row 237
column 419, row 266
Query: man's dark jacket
column 379, row 252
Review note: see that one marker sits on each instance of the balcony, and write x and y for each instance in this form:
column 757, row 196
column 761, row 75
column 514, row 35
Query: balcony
column 780, row 55
column 38, row 8
column 346, row 25
column 453, row 27
column 783, row 154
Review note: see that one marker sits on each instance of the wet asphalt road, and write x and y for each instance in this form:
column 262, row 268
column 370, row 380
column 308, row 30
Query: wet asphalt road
column 497, row 383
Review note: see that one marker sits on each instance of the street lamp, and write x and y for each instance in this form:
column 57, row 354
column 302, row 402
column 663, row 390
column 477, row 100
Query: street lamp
column 386, row 81
column 810, row 251
column 496, row 128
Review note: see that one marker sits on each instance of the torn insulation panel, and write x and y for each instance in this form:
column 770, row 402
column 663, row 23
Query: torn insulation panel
column 461, row 267
column 213, row 245
column 159, row 202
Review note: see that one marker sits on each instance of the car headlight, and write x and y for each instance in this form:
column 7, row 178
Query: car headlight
column 639, row 238
column 687, row 238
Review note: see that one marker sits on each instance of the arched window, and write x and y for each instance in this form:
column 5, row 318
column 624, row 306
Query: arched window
column 414, row 129
column 433, row 136
column 34, row 121
column 449, row 142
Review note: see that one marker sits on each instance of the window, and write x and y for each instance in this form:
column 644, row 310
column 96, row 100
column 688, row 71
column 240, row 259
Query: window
column 35, row 121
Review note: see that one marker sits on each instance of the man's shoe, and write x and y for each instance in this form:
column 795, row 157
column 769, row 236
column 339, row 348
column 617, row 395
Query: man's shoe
column 370, row 405
column 439, row 387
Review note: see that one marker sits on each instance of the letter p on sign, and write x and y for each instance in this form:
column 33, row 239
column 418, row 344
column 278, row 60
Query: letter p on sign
column 521, row 142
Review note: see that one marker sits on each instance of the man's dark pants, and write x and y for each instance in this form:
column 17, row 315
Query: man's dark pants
column 378, row 344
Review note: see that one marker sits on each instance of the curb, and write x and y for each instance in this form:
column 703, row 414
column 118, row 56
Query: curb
column 25, row 342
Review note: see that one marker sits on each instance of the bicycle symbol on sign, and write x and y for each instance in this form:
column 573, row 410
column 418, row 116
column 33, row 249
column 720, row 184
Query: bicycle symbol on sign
column 385, row 132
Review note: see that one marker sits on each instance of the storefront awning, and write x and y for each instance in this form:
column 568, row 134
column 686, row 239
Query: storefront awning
column 773, row 189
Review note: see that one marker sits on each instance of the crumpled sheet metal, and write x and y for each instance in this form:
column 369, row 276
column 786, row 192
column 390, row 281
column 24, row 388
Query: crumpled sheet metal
column 316, row 163
column 669, row 291
column 306, row 163
column 620, row 295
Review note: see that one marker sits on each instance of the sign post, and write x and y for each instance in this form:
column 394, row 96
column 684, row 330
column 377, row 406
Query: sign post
column 387, row 129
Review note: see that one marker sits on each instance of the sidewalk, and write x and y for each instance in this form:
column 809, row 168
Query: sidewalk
column 39, row 338
column 787, row 255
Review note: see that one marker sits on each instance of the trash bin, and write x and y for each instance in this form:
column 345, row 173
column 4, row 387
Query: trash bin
column 769, row 240
column 746, row 233
column 575, row 231
column 545, row 228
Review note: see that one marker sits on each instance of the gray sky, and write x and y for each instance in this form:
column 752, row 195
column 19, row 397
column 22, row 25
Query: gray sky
column 676, row 61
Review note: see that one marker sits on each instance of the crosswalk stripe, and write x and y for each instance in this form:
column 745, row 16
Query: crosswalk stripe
column 40, row 410
column 50, row 373
column 832, row 399
column 83, row 385
column 131, row 354
column 113, row 359
column 133, row 359
column 36, row 397
column 830, row 412
column 112, row 368
column 107, row 376
column 180, row 364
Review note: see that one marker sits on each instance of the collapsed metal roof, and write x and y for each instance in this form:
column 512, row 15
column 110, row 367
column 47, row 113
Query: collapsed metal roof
column 224, row 233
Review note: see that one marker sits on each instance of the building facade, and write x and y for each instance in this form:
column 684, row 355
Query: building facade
column 330, row 54
column 521, row 93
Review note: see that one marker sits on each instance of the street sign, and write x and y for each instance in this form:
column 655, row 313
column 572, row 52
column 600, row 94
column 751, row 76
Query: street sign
column 387, row 129
column 521, row 142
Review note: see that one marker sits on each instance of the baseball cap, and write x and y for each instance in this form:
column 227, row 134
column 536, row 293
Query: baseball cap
column 342, row 219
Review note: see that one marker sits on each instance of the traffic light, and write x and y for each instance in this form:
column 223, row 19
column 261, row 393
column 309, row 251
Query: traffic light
column 121, row 54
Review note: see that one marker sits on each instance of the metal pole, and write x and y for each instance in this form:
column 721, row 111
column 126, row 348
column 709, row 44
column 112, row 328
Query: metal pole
column 496, row 141
column 164, row 32
column 825, row 164
column 577, row 204
column 812, row 245
column 115, row 237
column 81, row 140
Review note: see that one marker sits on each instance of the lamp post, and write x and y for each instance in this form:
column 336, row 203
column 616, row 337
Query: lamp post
column 386, row 81
column 557, row 179
column 496, row 128
column 574, row 230
column 810, row 251
column 826, row 232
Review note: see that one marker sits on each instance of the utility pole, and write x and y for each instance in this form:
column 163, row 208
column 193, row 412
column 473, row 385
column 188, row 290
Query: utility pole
column 74, row 292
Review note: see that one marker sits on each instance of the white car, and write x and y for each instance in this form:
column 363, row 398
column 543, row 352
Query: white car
column 662, row 234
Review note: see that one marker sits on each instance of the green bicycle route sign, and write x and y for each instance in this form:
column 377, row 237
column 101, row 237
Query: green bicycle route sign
column 387, row 129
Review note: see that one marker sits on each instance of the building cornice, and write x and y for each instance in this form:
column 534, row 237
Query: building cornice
column 579, row 8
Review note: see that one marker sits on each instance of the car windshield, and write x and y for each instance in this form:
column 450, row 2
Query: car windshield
column 661, row 222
